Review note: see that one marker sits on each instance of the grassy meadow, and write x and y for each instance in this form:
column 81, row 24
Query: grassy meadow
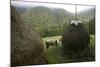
column 54, row 53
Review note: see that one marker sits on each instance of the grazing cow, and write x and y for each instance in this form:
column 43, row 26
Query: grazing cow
column 51, row 43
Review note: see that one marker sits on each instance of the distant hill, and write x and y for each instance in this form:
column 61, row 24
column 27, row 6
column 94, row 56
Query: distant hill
column 87, row 15
column 52, row 21
column 54, row 15
column 42, row 18
column 62, row 14
column 20, row 10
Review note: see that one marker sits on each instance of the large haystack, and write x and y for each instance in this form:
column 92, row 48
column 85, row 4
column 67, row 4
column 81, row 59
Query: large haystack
column 75, row 41
column 26, row 46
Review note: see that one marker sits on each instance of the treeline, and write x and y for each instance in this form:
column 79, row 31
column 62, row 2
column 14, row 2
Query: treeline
column 53, row 21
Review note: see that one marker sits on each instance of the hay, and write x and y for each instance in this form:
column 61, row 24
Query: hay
column 26, row 45
column 75, row 41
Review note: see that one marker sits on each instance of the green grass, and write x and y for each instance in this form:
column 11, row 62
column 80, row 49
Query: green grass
column 51, row 38
column 54, row 53
column 92, row 40
column 92, row 44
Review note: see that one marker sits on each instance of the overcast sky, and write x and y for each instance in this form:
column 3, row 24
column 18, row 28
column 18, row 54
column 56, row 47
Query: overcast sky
column 70, row 8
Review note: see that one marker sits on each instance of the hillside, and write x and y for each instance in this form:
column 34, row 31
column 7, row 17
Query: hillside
column 52, row 21
column 87, row 14
column 45, row 20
